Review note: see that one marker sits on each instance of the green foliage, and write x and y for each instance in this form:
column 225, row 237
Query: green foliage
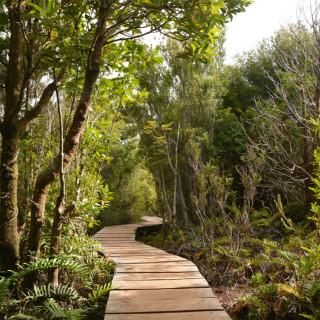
column 86, row 281
column 315, row 206
column 51, row 291
column 46, row 263
column 134, row 189
column 98, row 293
column 54, row 311
column 4, row 292
column 258, row 279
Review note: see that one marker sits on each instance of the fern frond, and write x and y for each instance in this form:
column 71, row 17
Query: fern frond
column 286, row 289
column 49, row 290
column 99, row 293
column 282, row 262
column 307, row 316
column 20, row 316
column 310, row 289
column 4, row 292
column 54, row 311
column 47, row 263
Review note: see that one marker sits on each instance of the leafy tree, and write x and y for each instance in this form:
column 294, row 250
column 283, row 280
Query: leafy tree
column 183, row 109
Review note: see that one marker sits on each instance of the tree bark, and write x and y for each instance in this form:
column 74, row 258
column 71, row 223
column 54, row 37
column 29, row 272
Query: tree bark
column 306, row 152
column 183, row 203
column 175, row 172
column 9, row 238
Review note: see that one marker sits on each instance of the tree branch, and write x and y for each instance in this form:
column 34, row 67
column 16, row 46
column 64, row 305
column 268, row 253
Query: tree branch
column 46, row 96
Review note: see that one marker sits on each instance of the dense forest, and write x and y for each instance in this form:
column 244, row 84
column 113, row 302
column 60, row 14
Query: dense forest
column 98, row 128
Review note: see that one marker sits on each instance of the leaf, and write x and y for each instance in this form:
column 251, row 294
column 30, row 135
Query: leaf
column 182, row 55
column 37, row 8
column 50, row 8
column 307, row 316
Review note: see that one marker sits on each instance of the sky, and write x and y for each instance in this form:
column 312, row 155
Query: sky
column 259, row 21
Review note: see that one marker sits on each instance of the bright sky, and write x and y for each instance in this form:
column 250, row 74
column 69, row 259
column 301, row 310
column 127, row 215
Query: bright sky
column 259, row 21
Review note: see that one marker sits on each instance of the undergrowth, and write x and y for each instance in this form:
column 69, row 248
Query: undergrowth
column 84, row 284
column 279, row 269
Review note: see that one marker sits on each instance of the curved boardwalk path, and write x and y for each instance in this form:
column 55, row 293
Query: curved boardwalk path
column 152, row 284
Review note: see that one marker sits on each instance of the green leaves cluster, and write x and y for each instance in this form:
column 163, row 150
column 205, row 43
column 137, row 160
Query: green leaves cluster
column 87, row 282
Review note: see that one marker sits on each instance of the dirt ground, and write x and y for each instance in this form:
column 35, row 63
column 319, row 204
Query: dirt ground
column 228, row 295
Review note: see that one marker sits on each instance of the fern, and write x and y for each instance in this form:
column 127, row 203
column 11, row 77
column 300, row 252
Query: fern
column 307, row 316
column 20, row 316
column 310, row 289
column 47, row 263
column 99, row 293
column 54, row 311
column 282, row 262
column 286, row 289
column 48, row 291
column 4, row 293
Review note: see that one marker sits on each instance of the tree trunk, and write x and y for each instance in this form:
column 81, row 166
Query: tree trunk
column 59, row 209
column 71, row 142
column 59, row 215
column 175, row 184
column 55, row 241
column 183, row 203
column 165, row 196
column 307, row 165
column 9, row 239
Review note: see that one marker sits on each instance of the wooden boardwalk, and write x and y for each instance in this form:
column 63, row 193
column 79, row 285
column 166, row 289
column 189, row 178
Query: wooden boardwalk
column 152, row 284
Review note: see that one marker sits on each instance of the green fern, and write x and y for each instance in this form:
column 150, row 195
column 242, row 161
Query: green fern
column 286, row 289
column 20, row 316
column 4, row 293
column 54, row 311
column 310, row 289
column 49, row 290
column 98, row 293
column 307, row 316
column 47, row 263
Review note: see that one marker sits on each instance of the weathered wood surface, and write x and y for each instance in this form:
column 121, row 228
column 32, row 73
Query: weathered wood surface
column 152, row 284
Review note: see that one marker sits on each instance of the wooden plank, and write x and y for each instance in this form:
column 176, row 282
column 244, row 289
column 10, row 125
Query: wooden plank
column 164, row 294
column 115, row 232
column 160, row 264
column 148, row 259
column 135, row 247
column 115, row 236
column 115, row 244
column 159, row 267
column 128, row 252
column 159, row 284
column 158, row 276
column 132, row 301
column 204, row 315
column 134, row 254
column 133, row 250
